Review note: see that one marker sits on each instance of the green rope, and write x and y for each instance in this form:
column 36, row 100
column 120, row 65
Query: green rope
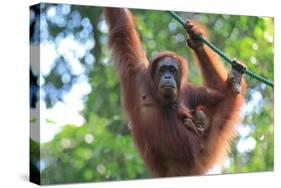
column 233, row 62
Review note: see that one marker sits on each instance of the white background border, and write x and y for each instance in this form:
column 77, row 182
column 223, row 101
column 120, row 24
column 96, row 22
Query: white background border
column 14, row 96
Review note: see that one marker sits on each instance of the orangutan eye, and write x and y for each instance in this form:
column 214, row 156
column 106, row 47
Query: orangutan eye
column 173, row 70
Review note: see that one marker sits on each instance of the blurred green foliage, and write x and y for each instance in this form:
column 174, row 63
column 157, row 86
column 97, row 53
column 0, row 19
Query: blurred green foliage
column 102, row 148
column 95, row 151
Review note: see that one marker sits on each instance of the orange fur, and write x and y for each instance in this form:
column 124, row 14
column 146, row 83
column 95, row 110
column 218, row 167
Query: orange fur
column 166, row 146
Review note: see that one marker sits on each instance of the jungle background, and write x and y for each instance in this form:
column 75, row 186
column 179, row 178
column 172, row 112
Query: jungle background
column 78, row 131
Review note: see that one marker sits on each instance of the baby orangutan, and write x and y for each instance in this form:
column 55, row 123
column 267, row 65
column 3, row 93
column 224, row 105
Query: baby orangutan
column 196, row 119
